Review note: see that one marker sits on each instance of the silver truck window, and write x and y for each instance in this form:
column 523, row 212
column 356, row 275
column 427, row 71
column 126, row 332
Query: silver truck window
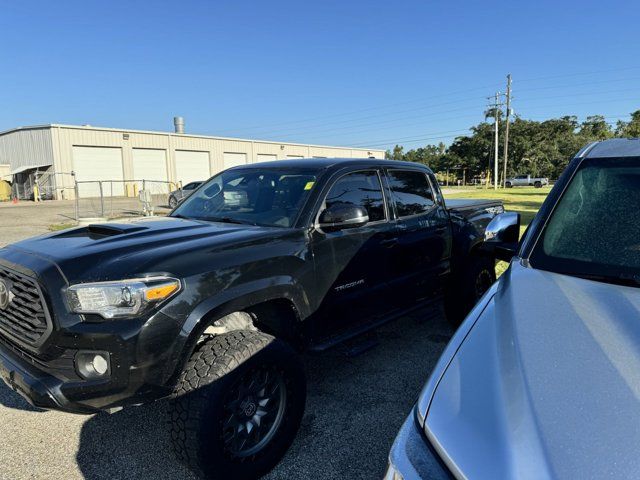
column 594, row 228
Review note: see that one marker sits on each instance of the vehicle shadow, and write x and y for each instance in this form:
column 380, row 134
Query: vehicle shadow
column 355, row 407
column 11, row 399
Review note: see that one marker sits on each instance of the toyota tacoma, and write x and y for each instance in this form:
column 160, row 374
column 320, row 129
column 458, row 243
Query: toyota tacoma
column 210, row 306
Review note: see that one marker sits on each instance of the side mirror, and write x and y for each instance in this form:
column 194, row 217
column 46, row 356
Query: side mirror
column 502, row 234
column 342, row 216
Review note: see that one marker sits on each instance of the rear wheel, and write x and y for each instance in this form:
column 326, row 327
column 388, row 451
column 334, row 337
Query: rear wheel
column 239, row 404
column 508, row 185
column 467, row 287
column 173, row 201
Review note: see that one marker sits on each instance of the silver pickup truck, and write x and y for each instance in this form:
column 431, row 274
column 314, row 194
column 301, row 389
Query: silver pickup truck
column 526, row 181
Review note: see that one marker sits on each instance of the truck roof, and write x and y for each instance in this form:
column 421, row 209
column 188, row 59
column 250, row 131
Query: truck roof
column 330, row 162
column 615, row 147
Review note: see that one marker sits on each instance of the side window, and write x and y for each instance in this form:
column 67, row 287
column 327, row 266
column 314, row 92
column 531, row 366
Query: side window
column 437, row 193
column 411, row 192
column 362, row 189
column 189, row 186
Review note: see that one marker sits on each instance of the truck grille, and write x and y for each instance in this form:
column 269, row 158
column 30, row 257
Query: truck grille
column 25, row 318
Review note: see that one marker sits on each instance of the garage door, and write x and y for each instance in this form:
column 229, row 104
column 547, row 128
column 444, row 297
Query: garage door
column 98, row 163
column 266, row 157
column 150, row 165
column 234, row 159
column 192, row 166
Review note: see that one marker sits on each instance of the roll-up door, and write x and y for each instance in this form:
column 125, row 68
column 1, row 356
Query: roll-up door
column 234, row 159
column 93, row 164
column 192, row 166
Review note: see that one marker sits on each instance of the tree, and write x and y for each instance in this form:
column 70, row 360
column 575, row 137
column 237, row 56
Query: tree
column 630, row 129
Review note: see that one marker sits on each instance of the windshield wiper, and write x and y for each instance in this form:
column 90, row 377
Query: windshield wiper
column 229, row 220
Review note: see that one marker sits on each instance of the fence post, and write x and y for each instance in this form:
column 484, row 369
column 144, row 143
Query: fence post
column 77, row 194
column 101, row 200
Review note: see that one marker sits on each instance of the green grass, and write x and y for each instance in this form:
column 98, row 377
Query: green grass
column 61, row 226
column 524, row 200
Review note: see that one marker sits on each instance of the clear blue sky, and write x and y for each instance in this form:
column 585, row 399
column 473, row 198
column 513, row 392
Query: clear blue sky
column 335, row 72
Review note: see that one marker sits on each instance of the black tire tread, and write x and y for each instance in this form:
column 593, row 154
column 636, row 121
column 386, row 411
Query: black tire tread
column 211, row 360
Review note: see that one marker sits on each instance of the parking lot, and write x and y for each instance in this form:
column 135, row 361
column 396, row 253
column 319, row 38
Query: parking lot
column 354, row 410
column 355, row 406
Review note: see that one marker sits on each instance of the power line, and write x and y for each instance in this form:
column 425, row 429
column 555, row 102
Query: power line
column 408, row 139
column 377, row 107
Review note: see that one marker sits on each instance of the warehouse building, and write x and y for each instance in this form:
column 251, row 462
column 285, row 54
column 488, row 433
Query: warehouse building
column 59, row 155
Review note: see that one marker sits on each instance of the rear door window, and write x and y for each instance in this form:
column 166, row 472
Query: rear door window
column 411, row 192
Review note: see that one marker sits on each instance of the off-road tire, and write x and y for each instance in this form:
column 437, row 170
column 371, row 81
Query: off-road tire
column 467, row 287
column 215, row 367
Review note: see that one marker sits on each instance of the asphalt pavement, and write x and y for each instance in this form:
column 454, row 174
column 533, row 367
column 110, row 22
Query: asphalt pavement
column 354, row 410
column 355, row 405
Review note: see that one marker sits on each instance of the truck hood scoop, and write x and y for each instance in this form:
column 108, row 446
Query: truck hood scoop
column 111, row 229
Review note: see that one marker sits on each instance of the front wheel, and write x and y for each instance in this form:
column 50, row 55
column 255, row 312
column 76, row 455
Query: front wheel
column 537, row 185
column 508, row 185
column 238, row 405
column 173, row 201
column 467, row 287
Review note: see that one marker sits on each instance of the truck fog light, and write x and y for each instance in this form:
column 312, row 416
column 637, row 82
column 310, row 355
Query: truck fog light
column 92, row 365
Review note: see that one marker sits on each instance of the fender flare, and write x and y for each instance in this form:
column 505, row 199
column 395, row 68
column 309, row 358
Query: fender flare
column 232, row 300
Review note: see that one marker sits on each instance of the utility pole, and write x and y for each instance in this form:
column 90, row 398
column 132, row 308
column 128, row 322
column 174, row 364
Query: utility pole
column 495, row 155
column 506, row 132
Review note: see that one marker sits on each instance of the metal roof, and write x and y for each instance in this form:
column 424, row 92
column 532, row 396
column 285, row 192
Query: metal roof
column 157, row 132
column 615, row 147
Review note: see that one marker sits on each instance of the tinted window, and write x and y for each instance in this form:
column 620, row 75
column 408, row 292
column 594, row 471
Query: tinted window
column 594, row 229
column 271, row 197
column 411, row 191
column 361, row 189
column 190, row 186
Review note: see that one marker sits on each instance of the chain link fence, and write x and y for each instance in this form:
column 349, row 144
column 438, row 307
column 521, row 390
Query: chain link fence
column 122, row 198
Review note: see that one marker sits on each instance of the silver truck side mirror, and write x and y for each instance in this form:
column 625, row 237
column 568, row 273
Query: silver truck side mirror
column 502, row 235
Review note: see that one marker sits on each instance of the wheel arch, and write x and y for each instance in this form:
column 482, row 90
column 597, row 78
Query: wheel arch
column 275, row 311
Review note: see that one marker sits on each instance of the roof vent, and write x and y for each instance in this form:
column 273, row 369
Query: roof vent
column 178, row 123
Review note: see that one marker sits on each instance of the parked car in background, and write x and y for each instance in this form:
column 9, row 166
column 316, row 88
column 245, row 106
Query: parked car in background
column 210, row 305
column 526, row 181
column 542, row 380
column 177, row 196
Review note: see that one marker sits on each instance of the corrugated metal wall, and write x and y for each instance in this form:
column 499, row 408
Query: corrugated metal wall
column 55, row 144
column 20, row 148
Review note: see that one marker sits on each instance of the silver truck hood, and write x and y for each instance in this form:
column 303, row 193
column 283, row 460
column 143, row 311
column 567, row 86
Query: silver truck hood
column 546, row 384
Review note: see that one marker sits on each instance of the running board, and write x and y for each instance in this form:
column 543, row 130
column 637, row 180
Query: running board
column 330, row 342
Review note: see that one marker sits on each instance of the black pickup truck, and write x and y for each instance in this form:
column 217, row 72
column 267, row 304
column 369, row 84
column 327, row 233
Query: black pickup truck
column 210, row 306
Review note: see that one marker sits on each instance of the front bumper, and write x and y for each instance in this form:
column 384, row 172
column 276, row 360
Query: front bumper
column 412, row 457
column 37, row 387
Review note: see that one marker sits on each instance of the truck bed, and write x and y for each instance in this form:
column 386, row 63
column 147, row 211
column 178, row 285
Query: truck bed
column 479, row 211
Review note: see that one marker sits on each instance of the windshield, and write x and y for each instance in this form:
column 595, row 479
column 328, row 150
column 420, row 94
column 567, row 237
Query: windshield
column 254, row 196
column 594, row 230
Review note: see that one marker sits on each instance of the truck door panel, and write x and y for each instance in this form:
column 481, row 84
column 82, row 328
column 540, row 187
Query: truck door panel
column 422, row 256
column 351, row 264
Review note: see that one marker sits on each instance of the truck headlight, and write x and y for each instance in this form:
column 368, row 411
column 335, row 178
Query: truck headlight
column 124, row 298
